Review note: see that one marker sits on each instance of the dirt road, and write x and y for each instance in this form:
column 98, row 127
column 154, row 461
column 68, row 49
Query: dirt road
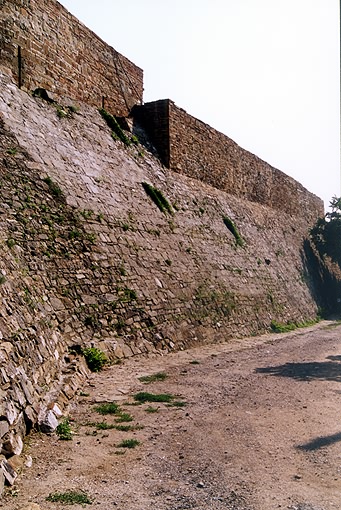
column 261, row 430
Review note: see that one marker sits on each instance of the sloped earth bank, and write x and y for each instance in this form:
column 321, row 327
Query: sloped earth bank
column 261, row 430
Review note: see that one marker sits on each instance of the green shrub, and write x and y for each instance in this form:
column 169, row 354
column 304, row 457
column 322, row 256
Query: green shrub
column 10, row 242
column 64, row 431
column 95, row 358
column 108, row 408
column 70, row 498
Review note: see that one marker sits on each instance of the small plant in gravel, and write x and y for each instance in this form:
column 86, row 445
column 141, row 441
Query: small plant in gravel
column 195, row 362
column 124, row 417
column 177, row 403
column 70, row 498
column 152, row 410
column 103, row 425
column 128, row 443
column 64, row 431
column 108, row 408
column 95, row 358
column 128, row 428
column 159, row 376
column 144, row 396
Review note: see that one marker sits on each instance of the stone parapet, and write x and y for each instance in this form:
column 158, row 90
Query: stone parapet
column 190, row 147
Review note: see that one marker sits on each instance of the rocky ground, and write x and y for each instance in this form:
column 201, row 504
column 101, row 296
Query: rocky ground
column 259, row 428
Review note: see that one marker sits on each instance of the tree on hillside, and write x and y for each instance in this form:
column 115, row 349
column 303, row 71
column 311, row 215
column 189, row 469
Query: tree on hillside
column 326, row 234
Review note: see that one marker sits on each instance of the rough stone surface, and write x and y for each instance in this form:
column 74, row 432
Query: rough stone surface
column 49, row 423
column 190, row 147
column 31, row 506
column 9, row 473
column 46, row 47
column 89, row 260
column 87, row 257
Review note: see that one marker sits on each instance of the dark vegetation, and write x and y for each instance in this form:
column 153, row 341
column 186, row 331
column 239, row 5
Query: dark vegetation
column 158, row 198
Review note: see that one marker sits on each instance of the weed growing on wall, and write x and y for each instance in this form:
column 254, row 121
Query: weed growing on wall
column 95, row 358
column 53, row 187
column 115, row 127
column 277, row 327
column 234, row 230
column 158, row 198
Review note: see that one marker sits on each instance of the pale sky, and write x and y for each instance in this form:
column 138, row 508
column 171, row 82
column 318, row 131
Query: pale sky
column 264, row 72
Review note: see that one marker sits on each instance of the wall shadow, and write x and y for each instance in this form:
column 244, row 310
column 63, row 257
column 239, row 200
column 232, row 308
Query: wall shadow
column 315, row 370
column 323, row 283
column 320, row 442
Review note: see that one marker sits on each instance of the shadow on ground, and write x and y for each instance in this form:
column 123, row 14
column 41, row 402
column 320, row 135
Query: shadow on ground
column 320, row 442
column 315, row 370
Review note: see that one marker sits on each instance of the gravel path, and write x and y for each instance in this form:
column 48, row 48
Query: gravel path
column 260, row 430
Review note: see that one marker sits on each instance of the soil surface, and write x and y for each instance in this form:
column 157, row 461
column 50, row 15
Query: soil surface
column 259, row 428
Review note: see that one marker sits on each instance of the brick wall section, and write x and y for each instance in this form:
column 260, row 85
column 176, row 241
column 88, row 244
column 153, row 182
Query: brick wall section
column 61, row 55
column 203, row 153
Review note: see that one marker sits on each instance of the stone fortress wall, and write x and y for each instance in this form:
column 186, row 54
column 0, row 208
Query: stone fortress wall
column 88, row 258
column 190, row 147
column 46, row 47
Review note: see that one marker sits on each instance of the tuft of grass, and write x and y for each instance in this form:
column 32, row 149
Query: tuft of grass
column 102, row 425
column 2, row 279
column 128, row 443
column 95, row 358
column 177, row 403
column 159, row 376
column 277, row 327
column 195, row 362
column 128, row 428
column 144, row 396
column 234, row 230
column 152, row 410
column 64, row 431
column 70, row 498
column 108, row 408
column 124, row 417
column 158, row 198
